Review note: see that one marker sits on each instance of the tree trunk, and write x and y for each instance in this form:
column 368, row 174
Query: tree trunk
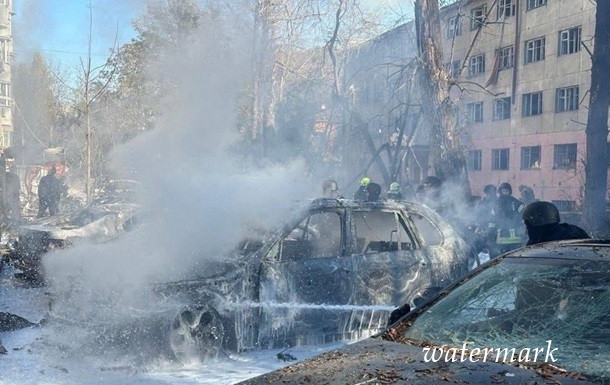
column 447, row 154
column 596, row 164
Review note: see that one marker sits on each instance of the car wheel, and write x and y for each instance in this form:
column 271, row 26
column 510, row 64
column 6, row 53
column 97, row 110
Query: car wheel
column 196, row 334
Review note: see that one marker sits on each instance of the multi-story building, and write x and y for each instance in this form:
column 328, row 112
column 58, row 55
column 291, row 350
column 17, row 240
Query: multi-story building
column 6, row 56
column 521, row 76
column 523, row 70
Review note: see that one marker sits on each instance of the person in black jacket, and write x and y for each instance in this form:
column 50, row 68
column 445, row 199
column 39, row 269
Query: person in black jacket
column 49, row 193
column 543, row 224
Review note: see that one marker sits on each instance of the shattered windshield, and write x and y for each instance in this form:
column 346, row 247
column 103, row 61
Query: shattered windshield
column 524, row 303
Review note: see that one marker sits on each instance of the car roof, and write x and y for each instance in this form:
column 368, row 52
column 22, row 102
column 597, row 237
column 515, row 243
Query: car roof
column 588, row 249
column 329, row 203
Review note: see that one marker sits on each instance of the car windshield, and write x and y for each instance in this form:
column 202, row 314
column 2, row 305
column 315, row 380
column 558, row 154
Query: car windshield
column 524, row 303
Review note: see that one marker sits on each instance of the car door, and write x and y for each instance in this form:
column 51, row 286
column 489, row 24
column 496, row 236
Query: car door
column 304, row 280
column 389, row 267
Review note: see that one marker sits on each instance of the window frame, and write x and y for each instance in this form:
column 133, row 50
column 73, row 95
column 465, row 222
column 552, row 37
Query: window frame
column 400, row 220
column 496, row 159
column 503, row 5
column 454, row 27
column 569, row 101
column 533, row 4
column 506, row 103
column 477, row 22
column 477, row 160
column 475, row 112
column 526, row 152
column 527, row 104
column 476, row 62
column 572, row 43
column 506, row 55
column 567, row 151
column 535, row 53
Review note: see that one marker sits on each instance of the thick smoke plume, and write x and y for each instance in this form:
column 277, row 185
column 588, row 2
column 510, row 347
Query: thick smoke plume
column 198, row 197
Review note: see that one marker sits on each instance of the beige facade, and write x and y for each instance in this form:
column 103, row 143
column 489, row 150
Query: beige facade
column 523, row 91
column 6, row 59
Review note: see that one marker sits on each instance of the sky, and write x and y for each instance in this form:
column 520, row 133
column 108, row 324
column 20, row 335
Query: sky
column 58, row 28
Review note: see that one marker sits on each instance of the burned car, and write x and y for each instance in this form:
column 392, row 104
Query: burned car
column 335, row 273
column 104, row 219
column 535, row 315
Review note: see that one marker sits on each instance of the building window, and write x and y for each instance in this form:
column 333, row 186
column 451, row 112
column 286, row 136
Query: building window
column 477, row 17
column 532, row 104
column 5, row 53
column 475, row 112
column 474, row 160
column 534, row 50
column 506, row 8
column 5, row 90
column 501, row 109
column 506, row 57
column 569, row 41
column 531, row 4
column 565, row 156
column 567, row 99
column 456, row 66
column 530, row 158
column 454, row 27
column 477, row 65
column 499, row 159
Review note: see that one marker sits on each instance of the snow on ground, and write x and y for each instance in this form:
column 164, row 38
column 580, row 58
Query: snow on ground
column 33, row 357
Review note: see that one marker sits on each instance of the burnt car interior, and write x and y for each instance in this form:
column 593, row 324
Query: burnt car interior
column 379, row 231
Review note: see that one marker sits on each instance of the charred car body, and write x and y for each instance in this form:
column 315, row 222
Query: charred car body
column 104, row 219
column 335, row 273
column 552, row 299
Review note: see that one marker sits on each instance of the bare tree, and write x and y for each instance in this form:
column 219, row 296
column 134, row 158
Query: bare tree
column 597, row 125
column 449, row 159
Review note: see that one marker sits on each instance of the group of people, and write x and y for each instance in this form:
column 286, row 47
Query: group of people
column 501, row 222
column 368, row 191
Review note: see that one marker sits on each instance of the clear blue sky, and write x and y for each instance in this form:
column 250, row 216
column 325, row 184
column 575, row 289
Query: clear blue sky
column 58, row 28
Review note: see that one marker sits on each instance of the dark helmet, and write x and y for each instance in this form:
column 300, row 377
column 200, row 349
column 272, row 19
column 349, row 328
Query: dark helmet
column 374, row 190
column 490, row 189
column 432, row 181
column 540, row 214
column 506, row 186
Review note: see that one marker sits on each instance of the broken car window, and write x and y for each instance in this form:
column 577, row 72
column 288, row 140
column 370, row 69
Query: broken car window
column 523, row 303
column 317, row 236
column 427, row 230
column 378, row 231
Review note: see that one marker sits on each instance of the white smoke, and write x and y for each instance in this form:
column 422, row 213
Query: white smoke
column 199, row 198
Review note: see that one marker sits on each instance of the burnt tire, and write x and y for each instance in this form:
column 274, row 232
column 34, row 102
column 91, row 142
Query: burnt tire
column 196, row 334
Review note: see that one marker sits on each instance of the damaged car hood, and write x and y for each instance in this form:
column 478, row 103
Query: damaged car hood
column 377, row 361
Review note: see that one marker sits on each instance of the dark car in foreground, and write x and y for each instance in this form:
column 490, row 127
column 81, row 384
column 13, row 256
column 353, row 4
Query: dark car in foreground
column 536, row 315
column 334, row 272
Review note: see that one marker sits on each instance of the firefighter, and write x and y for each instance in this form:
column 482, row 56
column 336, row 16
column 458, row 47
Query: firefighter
column 330, row 189
column 394, row 193
column 373, row 192
column 361, row 193
column 542, row 223
column 508, row 220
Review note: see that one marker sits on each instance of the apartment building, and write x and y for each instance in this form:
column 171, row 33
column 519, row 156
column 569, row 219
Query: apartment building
column 521, row 70
column 523, row 73
column 6, row 56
